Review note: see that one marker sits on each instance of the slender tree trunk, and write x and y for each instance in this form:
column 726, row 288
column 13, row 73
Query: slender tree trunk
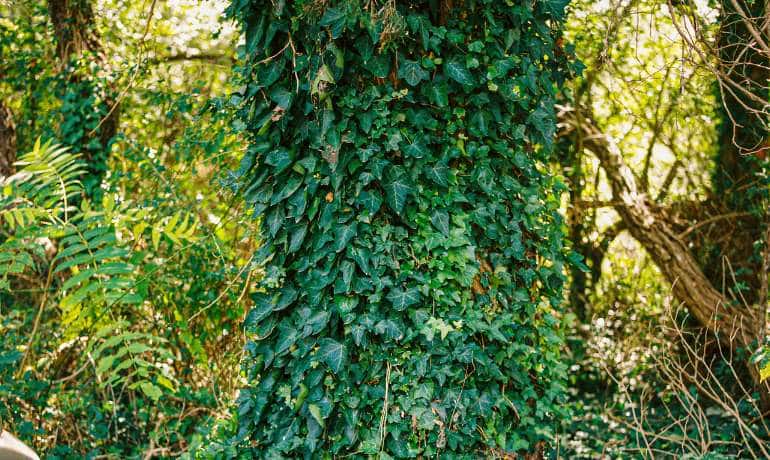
column 736, row 326
column 744, row 72
column 697, row 268
column 7, row 141
column 77, row 38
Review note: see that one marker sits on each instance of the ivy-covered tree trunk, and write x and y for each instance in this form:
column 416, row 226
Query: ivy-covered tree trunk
column 411, row 235
column 89, row 107
column 7, row 141
column 744, row 138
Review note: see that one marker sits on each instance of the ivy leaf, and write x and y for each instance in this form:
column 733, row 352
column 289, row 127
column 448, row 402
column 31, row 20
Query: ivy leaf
column 262, row 308
column 438, row 173
column 543, row 121
column 297, row 237
column 270, row 73
column 335, row 19
column 274, row 220
column 456, row 71
column 412, row 72
column 379, row 66
column 287, row 295
column 416, row 149
column 280, row 159
column 371, row 200
column 315, row 411
column 344, row 234
column 288, row 189
column 401, row 299
column 438, row 93
column 389, row 329
column 440, row 220
column 282, row 97
column 397, row 191
column 286, row 338
column 332, row 353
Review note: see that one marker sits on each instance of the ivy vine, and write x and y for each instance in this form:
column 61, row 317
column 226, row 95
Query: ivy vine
column 412, row 244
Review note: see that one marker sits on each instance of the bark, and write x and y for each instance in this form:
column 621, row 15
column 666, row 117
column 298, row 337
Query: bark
column 735, row 326
column 77, row 37
column 7, row 141
column 73, row 24
column 743, row 75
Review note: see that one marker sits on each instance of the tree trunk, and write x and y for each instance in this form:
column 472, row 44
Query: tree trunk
column 7, row 141
column 77, row 38
column 393, row 208
column 735, row 326
column 73, row 24
column 744, row 71
column 696, row 268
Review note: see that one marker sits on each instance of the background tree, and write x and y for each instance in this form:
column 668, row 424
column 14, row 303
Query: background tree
column 646, row 139
column 719, row 275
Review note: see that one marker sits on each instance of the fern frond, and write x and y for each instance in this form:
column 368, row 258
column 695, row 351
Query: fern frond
column 49, row 176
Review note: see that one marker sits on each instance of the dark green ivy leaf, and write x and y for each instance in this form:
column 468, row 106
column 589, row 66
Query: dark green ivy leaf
column 389, row 329
column 403, row 298
column 397, row 190
column 290, row 186
column 416, row 149
column 371, row 200
column 456, row 71
column 438, row 173
column 335, row 19
column 440, row 220
column 286, row 338
column 280, row 159
column 343, row 236
column 412, row 72
column 332, row 353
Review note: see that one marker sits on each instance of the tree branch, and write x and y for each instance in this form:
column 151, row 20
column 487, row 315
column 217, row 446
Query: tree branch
column 215, row 58
column 690, row 285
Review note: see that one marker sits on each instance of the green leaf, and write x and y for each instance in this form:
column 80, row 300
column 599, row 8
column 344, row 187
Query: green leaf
column 290, row 186
column 344, row 234
column 397, row 190
column 401, row 298
column 412, row 72
column 315, row 411
column 440, row 220
column 151, row 391
column 297, row 237
column 389, row 329
column 456, row 71
column 335, row 19
column 286, row 338
column 332, row 353
column 438, row 93
column 280, row 159
column 416, row 149
column 378, row 65
column 438, row 173
column 371, row 200
column 263, row 306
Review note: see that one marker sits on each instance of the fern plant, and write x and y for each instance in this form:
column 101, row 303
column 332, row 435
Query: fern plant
column 92, row 274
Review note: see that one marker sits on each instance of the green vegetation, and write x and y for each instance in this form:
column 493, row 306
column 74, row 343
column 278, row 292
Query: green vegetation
column 412, row 242
column 385, row 228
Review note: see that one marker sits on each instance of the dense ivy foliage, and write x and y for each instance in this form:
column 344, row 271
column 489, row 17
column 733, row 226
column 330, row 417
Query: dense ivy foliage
column 412, row 243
